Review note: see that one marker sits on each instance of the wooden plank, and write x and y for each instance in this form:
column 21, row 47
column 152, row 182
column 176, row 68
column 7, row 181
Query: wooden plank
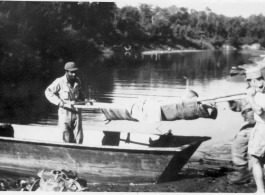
column 28, row 131
column 200, row 99
column 100, row 105
column 218, row 98
column 144, row 144
column 83, row 147
column 237, row 97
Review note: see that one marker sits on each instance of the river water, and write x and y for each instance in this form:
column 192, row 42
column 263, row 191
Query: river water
column 125, row 77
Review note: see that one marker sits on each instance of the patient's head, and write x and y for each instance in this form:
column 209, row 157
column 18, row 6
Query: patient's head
column 189, row 94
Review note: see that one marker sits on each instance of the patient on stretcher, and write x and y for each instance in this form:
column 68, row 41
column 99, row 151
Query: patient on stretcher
column 152, row 111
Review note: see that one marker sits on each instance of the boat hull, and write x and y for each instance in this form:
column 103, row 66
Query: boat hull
column 102, row 164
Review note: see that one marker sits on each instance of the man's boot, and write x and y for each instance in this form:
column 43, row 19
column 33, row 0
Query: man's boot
column 239, row 177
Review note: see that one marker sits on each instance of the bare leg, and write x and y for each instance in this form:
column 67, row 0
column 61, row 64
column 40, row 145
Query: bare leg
column 258, row 173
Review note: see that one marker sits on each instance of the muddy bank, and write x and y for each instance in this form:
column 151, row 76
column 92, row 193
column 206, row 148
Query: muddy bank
column 189, row 184
column 210, row 181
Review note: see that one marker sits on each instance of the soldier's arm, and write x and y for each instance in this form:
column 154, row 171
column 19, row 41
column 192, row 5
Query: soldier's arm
column 236, row 105
column 52, row 93
column 250, row 96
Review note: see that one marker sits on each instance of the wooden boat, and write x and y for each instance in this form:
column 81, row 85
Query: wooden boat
column 160, row 162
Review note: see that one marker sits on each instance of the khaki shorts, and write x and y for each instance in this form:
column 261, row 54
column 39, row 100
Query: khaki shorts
column 240, row 147
column 256, row 145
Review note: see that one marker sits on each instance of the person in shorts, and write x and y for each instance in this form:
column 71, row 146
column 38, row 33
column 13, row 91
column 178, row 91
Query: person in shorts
column 256, row 145
column 239, row 149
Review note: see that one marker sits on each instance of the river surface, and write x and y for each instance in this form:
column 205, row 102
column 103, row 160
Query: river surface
column 126, row 77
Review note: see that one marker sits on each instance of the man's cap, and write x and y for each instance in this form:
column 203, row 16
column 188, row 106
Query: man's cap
column 253, row 73
column 71, row 66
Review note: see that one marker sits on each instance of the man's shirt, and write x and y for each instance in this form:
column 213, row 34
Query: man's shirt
column 61, row 90
column 260, row 100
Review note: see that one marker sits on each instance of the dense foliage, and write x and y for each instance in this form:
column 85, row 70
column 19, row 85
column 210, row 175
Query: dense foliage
column 70, row 30
column 203, row 28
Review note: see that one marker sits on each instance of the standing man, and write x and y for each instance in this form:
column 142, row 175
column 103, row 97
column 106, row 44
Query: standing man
column 64, row 92
column 240, row 143
column 256, row 145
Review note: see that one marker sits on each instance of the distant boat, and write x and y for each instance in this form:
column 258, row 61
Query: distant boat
column 228, row 47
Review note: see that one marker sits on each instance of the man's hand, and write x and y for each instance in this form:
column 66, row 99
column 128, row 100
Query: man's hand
column 251, row 92
column 255, row 107
column 89, row 102
column 67, row 105
column 70, row 106
column 235, row 105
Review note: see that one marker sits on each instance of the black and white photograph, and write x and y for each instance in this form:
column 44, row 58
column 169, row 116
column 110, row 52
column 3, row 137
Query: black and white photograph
column 132, row 96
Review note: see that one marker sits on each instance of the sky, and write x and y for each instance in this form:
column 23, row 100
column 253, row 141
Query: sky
column 230, row 8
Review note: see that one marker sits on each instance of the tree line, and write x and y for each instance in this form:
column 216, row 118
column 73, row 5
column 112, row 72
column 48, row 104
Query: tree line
column 174, row 23
column 69, row 30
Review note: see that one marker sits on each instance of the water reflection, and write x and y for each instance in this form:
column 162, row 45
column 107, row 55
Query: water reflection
column 116, row 78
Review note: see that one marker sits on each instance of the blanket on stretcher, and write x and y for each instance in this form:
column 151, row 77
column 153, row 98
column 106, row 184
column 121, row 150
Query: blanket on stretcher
column 150, row 111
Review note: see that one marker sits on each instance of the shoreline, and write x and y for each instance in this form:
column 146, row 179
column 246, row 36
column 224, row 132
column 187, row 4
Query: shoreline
column 151, row 52
column 190, row 180
column 159, row 51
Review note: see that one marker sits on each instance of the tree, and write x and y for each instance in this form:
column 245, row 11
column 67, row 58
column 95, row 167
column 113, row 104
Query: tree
column 146, row 14
column 161, row 22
